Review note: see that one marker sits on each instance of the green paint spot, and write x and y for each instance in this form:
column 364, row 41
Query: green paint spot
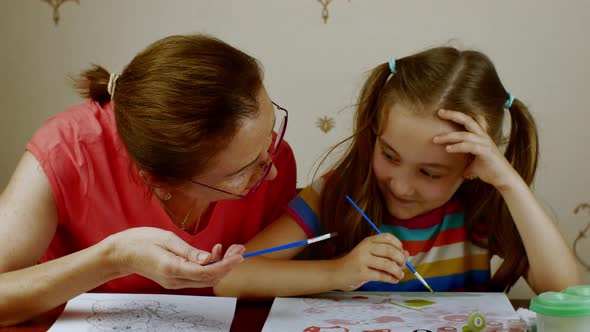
column 404, row 306
column 419, row 303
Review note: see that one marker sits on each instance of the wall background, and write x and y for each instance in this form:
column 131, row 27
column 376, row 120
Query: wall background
column 314, row 69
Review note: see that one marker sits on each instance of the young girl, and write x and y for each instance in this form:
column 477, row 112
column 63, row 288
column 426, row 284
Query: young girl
column 424, row 165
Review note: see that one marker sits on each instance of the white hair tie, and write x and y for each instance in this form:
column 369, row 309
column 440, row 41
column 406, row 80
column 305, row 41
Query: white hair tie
column 112, row 84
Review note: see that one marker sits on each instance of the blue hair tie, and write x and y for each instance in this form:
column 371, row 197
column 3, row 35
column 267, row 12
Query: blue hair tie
column 508, row 102
column 392, row 66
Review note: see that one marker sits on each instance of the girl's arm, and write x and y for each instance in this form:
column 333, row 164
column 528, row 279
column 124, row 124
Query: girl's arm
column 552, row 263
column 377, row 258
column 28, row 222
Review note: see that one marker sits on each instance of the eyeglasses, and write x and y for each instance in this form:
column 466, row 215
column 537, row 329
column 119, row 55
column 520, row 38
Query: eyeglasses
column 280, row 126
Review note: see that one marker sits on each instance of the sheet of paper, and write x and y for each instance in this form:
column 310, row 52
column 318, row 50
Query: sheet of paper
column 383, row 312
column 95, row 312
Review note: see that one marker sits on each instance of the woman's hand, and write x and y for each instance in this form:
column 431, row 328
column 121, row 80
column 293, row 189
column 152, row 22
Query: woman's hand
column 489, row 164
column 166, row 259
column 376, row 258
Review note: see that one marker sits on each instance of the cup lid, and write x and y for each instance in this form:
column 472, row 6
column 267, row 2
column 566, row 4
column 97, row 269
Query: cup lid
column 572, row 302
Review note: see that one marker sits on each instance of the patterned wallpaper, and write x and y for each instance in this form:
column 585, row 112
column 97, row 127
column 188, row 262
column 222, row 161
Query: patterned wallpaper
column 55, row 4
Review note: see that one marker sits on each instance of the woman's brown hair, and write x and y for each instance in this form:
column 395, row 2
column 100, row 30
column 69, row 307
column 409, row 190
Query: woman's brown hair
column 463, row 81
column 178, row 102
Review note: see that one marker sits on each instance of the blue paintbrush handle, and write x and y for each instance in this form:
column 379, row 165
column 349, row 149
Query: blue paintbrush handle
column 288, row 246
column 363, row 214
column 410, row 267
column 283, row 247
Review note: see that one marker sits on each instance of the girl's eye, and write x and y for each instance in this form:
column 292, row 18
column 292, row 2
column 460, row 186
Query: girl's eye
column 430, row 175
column 389, row 157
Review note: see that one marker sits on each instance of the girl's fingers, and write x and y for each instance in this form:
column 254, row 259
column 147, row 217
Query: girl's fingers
column 387, row 238
column 464, row 147
column 383, row 250
column 463, row 119
column 387, row 266
column 458, row 136
column 406, row 254
column 379, row 275
column 389, row 252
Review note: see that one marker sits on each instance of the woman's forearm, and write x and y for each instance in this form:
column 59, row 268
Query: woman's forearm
column 29, row 292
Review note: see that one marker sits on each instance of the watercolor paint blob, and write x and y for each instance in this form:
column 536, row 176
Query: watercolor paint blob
column 419, row 303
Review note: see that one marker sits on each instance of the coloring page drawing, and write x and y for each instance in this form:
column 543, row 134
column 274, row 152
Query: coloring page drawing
column 138, row 312
column 379, row 312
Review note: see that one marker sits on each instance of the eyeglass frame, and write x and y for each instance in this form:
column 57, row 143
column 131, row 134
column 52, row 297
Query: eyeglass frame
column 267, row 166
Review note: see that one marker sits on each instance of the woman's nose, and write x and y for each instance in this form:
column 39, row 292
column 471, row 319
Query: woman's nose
column 272, row 173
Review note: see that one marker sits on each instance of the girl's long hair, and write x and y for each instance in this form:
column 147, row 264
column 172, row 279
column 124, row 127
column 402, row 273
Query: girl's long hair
column 463, row 81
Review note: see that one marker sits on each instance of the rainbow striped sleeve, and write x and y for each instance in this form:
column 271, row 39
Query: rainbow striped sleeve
column 305, row 207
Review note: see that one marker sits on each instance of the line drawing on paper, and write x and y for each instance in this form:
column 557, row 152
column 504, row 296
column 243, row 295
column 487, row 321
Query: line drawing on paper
column 145, row 315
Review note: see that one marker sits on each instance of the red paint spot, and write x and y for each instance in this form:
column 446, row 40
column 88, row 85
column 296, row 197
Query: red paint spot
column 360, row 297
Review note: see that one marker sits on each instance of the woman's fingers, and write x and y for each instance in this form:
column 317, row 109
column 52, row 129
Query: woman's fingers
column 204, row 279
column 179, row 268
column 177, row 246
column 216, row 253
column 185, row 261
column 235, row 249
column 166, row 259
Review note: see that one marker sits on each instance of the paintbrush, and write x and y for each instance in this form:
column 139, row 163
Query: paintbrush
column 291, row 245
column 288, row 246
column 379, row 232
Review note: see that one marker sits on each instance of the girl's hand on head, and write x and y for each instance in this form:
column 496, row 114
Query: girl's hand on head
column 166, row 259
column 376, row 258
column 489, row 164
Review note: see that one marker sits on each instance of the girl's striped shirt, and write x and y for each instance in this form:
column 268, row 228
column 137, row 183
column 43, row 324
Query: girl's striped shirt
column 437, row 241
